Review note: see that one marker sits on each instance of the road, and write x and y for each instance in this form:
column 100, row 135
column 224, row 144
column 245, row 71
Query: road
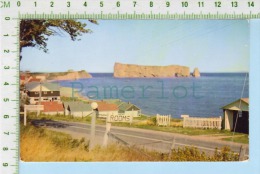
column 149, row 139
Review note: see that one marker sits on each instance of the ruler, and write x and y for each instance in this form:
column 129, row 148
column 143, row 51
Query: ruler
column 12, row 11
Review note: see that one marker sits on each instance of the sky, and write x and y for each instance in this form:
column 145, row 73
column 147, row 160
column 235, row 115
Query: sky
column 210, row 45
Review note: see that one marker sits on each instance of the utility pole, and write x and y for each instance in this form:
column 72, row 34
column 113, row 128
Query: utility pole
column 40, row 98
column 94, row 106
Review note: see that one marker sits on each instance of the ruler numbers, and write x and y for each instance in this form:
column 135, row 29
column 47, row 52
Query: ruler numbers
column 118, row 4
column 9, row 100
column 29, row 9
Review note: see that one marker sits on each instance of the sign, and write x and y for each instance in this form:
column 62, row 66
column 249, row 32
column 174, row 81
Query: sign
column 37, row 108
column 120, row 118
column 33, row 107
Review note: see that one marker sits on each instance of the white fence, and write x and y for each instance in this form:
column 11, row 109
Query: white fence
column 163, row 120
column 205, row 123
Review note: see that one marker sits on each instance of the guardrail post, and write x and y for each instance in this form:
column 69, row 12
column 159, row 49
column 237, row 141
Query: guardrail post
column 105, row 140
column 172, row 147
column 242, row 153
column 24, row 117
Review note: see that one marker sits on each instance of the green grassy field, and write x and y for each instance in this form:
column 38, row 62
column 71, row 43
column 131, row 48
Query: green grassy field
column 244, row 138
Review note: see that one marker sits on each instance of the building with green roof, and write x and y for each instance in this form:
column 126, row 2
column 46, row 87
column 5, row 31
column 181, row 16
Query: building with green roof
column 77, row 109
column 125, row 108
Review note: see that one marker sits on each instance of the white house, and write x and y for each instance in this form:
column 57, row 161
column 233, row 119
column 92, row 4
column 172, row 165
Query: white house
column 236, row 115
column 49, row 92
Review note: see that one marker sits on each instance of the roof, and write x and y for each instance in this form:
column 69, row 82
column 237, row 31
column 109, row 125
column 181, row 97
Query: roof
column 77, row 106
column 240, row 104
column 122, row 106
column 22, row 77
column 104, row 106
column 114, row 101
column 127, row 107
column 34, row 80
column 246, row 100
column 51, row 86
column 52, row 106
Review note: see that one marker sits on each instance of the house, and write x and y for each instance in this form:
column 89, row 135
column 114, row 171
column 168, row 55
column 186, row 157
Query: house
column 106, row 109
column 129, row 109
column 77, row 109
column 49, row 92
column 52, row 108
column 22, row 79
column 125, row 108
column 41, row 77
column 32, row 79
column 236, row 116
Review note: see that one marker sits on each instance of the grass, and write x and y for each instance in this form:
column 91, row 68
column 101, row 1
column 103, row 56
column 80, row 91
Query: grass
column 149, row 123
column 239, row 139
column 38, row 144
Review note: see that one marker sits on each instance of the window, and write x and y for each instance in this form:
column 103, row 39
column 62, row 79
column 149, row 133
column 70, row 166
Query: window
column 36, row 92
column 36, row 99
column 44, row 92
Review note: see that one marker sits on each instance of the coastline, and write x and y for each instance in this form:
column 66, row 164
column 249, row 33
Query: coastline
column 67, row 92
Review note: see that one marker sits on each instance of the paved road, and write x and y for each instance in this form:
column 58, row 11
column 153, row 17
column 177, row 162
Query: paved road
column 156, row 140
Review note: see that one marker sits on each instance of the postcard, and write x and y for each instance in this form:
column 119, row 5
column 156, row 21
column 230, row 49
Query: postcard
column 134, row 90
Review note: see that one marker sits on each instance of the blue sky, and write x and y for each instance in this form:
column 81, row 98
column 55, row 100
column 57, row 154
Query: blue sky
column 210, row 45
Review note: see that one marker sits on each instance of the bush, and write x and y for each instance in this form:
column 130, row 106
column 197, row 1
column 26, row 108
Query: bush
column 154, row 121
column 193, row 154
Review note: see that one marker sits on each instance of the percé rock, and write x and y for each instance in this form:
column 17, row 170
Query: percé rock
column 196, row 73
column 140, row 71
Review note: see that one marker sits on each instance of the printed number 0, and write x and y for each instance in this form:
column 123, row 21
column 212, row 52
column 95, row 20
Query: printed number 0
column 18, row 3
column 151, row 3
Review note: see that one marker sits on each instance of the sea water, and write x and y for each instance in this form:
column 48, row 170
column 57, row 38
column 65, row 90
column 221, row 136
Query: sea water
column 202, row 97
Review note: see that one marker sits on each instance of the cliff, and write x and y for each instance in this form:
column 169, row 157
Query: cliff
column 139, row 71
column 70, row 75
column 196, row 73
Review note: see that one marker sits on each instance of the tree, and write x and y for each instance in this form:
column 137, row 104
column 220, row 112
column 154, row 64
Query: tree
column 35, row 33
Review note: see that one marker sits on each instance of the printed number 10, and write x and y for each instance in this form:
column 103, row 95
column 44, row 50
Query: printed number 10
column 184, row 4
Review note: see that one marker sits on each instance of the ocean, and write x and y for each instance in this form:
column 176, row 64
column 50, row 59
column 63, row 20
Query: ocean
column 200, row 97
